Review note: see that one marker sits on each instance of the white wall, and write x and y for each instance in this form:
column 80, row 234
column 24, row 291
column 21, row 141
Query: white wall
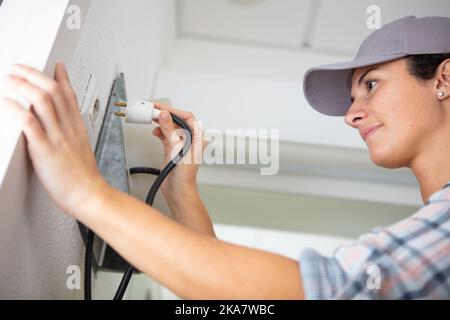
column 125, row 36
column 32, row 263
column 241, row 86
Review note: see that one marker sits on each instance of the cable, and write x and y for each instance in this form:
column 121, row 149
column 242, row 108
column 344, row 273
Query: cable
column 88, row 264
column 152, row 194
column 146, row 170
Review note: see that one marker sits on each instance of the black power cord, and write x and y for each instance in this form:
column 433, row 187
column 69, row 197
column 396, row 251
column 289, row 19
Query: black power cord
column 161, row 175
column 88, row 264
column 145, row 170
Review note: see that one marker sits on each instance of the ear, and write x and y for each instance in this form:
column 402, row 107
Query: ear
column 443, row 80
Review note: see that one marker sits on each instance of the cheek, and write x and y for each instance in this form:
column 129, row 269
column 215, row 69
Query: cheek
column 393, row 146
column 412, row 115
column 390, row 104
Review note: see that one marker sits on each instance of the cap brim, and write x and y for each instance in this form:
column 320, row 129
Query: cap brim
column 326, row 88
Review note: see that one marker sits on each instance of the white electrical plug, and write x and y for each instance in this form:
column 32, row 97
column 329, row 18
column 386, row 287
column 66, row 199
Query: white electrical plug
column 138, row 111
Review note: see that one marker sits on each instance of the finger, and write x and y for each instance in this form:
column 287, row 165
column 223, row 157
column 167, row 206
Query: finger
column 62, row 77
column 167, row 128
column 187, row 116
column 165, row 142
column 157, row 132
column 193, row 124
column 176, row 126
column 41, row 101
column 41, row 81
column 31, row 126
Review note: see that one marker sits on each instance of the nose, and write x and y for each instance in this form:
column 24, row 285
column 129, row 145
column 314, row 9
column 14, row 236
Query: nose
column 355, row 114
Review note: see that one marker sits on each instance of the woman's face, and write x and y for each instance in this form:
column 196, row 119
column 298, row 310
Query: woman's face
column 404, row 109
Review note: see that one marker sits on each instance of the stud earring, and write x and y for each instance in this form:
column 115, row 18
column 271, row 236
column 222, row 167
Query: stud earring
column 440, row 94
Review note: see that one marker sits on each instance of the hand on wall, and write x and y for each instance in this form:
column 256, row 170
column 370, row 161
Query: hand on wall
column 57, row 141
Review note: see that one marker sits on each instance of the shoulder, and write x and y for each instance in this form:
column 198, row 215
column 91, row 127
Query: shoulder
column 412, row 255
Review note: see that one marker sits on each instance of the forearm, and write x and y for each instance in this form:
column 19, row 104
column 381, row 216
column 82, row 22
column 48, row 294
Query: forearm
column 191, row 264
column 188, row 209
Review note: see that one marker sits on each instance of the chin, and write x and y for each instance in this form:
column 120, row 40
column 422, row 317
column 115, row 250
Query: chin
column 385, row 158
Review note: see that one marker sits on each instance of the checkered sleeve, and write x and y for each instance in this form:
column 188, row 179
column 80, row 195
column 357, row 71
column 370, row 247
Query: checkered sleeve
column 408, row 260
column 353, row 273
column 322, row 276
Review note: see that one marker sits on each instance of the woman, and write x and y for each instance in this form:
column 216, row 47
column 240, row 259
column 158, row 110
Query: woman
column 393, row 88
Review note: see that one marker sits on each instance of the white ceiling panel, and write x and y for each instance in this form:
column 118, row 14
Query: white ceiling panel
column 341, row 25
column 273, row 22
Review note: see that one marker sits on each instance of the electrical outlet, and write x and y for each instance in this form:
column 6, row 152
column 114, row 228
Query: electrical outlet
column 91, row 110
column 94, row 114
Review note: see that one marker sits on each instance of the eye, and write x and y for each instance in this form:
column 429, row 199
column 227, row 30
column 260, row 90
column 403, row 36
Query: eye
column 370, row 84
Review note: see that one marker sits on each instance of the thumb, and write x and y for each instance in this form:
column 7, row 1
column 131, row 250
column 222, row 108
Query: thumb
column 168, row 128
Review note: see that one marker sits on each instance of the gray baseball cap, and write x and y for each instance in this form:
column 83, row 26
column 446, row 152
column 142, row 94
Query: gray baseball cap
column 325, row 87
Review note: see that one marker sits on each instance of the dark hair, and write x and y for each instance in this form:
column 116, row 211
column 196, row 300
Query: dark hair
column 420, row 66
column 424, row 66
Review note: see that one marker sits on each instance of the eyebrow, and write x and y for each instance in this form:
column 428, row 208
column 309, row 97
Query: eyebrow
column 364, row 74
column 361, row 78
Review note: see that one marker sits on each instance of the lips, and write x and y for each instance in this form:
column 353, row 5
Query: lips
column 368, row 131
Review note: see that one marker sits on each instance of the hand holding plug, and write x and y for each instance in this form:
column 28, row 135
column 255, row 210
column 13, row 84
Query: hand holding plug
column 172, row 136
column 184, row 177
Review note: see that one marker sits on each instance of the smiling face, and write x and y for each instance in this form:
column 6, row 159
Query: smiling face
column 405, row 110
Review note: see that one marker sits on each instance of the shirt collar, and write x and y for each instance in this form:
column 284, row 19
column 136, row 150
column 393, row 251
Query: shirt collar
column 442, row 194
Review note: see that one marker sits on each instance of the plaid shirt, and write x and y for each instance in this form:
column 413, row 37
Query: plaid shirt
column 408, row 260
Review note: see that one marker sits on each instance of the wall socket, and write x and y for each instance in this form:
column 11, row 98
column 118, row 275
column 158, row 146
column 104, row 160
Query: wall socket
column 91, row 110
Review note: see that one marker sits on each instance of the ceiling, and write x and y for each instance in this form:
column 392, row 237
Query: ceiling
column 325, row 25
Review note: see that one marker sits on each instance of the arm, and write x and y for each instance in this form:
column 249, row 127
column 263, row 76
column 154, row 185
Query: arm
column 192, row 264
column 180, row 187
column 188, row 209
